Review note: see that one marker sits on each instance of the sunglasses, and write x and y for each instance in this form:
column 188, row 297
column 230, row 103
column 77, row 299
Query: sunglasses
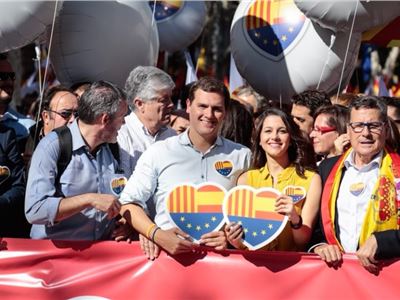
column 324, row 129
column 7, row 76
column 65, row 114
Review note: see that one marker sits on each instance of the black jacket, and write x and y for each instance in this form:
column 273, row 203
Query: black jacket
column 12, row 187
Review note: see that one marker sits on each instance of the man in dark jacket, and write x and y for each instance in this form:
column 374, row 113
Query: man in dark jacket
column 12, row 187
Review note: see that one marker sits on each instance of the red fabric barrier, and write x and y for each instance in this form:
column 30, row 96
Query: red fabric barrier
column 59, row 270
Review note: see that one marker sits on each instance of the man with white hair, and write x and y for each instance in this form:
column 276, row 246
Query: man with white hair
column 149, row 91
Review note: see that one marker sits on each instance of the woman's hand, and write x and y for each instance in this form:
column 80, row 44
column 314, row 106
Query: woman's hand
column 234, row 234
column 284, row 205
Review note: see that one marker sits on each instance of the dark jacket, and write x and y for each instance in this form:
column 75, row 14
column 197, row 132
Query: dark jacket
column 388, row 241
column 12, row 187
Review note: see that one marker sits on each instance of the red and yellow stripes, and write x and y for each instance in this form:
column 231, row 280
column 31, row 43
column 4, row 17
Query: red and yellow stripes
column 188, row 199
column 258, row 14
column 246, row 203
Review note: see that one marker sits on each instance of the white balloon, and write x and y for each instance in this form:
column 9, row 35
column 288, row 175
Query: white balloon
column 338, row 15
column 179, row 23
column 301, row 55
column 24, row 21
column 102, row 40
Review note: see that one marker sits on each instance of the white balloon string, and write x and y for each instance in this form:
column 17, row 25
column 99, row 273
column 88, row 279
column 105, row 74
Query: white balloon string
column 39, row 71
column 154, row 13
column 347, row 50
column 333, row 38
column 43, row 83
column 48, row 55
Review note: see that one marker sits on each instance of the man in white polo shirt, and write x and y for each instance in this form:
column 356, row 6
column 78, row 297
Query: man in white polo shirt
column 188, row 158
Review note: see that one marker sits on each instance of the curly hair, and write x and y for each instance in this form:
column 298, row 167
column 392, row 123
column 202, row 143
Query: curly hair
column 300, row 151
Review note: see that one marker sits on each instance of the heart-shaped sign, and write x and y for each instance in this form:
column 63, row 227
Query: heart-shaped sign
column 297, row 193
column 254, row 209
column 4, row 173
column 223, row 167
column 196, row 209
column 117, row 185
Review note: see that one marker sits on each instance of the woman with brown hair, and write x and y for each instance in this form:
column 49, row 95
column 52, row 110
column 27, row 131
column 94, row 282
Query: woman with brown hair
column 283, row 156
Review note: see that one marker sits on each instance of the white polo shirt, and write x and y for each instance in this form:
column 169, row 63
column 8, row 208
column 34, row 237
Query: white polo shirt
column 354, row 195
column 134, row 139
column 175, row 161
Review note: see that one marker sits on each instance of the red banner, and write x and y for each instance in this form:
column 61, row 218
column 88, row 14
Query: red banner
column 32, row 269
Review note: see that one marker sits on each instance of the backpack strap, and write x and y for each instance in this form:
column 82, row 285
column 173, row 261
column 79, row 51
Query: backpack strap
column 65, row 143
column 115, row 151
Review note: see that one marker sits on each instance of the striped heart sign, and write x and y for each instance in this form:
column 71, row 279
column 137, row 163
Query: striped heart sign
column 196, row 209
column 254, row 209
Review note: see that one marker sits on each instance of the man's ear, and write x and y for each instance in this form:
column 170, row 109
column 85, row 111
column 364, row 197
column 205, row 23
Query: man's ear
column 45, row 116
column 188, row 106
column 139, row 104
column 104, row 119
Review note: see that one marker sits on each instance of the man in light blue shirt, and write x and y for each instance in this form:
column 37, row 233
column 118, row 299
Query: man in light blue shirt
column 82, row 205
column 191, row 157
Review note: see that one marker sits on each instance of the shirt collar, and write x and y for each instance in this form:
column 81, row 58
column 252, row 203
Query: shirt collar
column 284, row 175
column 138, row 123
column 10, row 114
column 185, row 140
column 77, row 139
column 375, row 162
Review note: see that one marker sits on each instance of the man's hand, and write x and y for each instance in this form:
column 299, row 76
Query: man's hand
column 174, row 241
column 215, row 239
column 150, row 249
column 366, row 254
column 331, row 254
column 123, row 231
column 106, row 203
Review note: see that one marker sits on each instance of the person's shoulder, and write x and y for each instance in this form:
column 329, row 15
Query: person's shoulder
column 233, row 145
column 168, row 132
column 328, row 163
column 50, row 140
column 26, row 121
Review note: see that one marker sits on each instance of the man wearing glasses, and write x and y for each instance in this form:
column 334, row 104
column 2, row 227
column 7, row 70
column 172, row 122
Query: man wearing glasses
column 83, row 202
column 59, row 107
column 359, row 206
column 149, row 91
column 9, row 117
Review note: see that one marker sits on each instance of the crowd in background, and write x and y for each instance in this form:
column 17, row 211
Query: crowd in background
column 159, row 144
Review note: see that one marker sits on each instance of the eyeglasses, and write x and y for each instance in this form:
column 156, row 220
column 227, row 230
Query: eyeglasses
column 324, row 129
column 7, row 76
column 375, row 127
column 65, row 114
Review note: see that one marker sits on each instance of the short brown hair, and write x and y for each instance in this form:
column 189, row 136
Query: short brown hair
column 210, row 85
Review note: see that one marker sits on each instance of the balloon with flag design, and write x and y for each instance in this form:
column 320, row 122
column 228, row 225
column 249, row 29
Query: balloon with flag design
column 280, row 52
column 196, row 209
column 254, row 209
column 179, row 23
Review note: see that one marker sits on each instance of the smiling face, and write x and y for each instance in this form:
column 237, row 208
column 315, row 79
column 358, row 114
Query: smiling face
column 367, row 143
column 275, row 138
column 206, row 112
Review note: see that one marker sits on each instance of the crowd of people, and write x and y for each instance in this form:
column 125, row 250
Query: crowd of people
column 100, row 161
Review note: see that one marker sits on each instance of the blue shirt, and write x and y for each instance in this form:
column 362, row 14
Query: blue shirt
column 18, row 122
column 84, row 174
